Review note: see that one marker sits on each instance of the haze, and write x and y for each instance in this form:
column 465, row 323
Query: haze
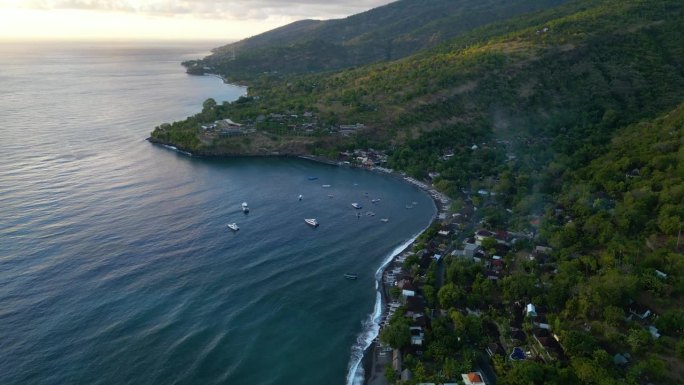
column 161, row 19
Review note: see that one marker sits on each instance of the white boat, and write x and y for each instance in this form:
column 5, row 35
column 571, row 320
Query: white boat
column 375, row 200
column 370, row 213
column 300, row 197
column 384, row 220
column 233, row 226
column 326, row 185
column 311, row 221
column 245, row 208
column 356, row 206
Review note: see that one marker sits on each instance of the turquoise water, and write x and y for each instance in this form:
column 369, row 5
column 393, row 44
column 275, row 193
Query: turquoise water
column 116, row 266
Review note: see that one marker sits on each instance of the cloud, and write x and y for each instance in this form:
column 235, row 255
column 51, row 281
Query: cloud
column 216, row 9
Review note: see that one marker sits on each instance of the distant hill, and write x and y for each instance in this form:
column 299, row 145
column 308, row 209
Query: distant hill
column 385, row 33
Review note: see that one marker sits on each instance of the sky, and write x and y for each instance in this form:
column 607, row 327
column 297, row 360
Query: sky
column 162, row 19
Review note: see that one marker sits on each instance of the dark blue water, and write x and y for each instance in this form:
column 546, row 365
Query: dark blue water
column 116, row 266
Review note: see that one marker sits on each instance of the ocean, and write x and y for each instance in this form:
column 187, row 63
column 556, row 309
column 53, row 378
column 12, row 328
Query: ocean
column 116, row 265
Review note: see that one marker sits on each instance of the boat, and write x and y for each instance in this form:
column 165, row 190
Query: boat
column 325, row 185
column 409, row 206
column 245, row 208
column 350, row 276
column 233, row 226
column 313, row 178
column 300, row 197
column 384, row 220
column 370, row 213
column 375, row 200
column 331, row 196
column 356, row 206
column 311, row 221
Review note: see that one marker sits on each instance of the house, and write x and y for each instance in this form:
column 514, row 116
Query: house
column 471, row 249
column 621, row 359
column 518, row 336
column 416, row 335
column 654, row 332
column 495, row 349
column 640, row 311
column 530, row 310
column 227, row 123
column 473, row 378
column 481, row 235
column 406, row 375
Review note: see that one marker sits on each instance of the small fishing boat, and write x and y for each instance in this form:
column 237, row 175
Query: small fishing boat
column 245, row 208
column 384, row 220
column 300, row 197
column 350, row 276
column 311, row 222
column 313, row 178
column 326, row 186
column 356, row 205
column 233, row 226
column 375, row 200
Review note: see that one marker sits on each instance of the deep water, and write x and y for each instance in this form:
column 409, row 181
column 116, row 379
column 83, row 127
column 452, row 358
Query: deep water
column 116, row 265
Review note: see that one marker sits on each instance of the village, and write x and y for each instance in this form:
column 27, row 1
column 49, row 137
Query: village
column 472, row 289
column 462, row 274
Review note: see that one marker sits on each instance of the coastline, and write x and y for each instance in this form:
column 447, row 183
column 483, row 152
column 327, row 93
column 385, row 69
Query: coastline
column 373, row 360
column 366, row 365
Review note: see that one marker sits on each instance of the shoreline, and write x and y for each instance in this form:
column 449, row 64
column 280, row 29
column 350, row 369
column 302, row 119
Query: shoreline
column 366, row 359
column 372, row 362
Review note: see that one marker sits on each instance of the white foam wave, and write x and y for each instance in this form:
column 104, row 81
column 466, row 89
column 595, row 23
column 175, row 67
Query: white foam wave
column 174, row 148
column 371, row 325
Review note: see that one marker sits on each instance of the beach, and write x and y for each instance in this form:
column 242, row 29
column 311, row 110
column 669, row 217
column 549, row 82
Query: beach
column 376, row 357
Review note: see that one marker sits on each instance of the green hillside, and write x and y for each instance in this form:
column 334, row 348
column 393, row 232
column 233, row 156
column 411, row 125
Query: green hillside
column 385, row 33
column 564, row 127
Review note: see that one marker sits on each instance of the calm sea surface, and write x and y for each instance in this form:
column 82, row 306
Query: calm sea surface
column 116, row 266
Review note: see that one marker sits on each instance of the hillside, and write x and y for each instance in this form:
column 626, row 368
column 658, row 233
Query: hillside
column 562, row 128
column 385, row 33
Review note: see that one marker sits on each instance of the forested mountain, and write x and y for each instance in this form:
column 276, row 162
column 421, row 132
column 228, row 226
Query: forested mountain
column 570, row 120
column 385, row 33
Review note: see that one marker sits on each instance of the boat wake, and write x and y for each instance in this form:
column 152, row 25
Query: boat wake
column 371, row 325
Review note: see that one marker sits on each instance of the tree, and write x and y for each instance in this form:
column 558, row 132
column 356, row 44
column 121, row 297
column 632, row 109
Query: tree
column 489, row 244
column 450, row 295
column 397, row 333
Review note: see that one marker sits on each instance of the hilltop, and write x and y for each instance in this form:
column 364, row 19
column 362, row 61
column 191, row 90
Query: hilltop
column 386, row 33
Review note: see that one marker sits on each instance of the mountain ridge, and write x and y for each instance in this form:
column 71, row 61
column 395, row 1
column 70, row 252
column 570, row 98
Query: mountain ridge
column 384, row 33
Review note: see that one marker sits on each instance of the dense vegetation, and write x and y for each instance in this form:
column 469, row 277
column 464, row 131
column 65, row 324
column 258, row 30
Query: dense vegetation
column 572, row 116
column 393, row 31
column 614, row 227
